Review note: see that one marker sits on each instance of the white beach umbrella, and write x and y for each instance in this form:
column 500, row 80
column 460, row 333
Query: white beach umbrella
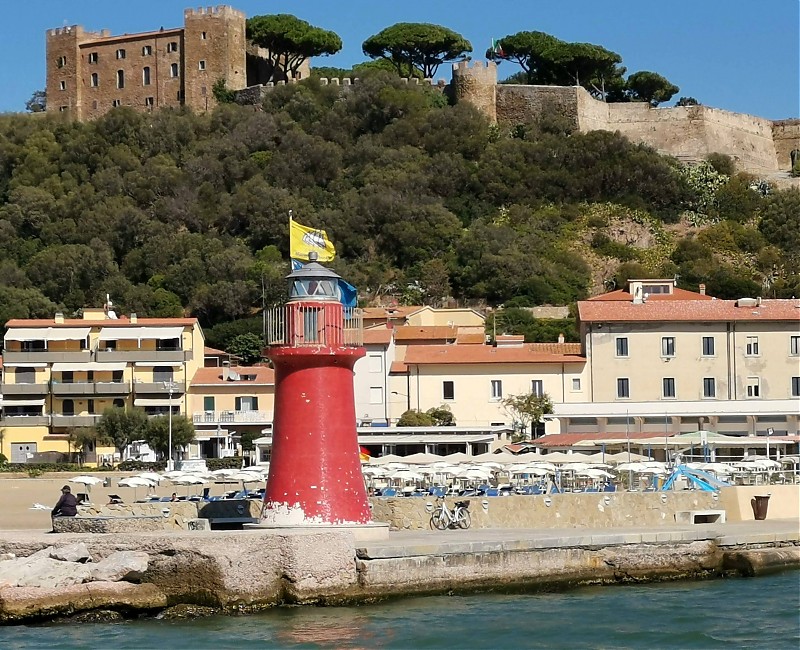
column 85, row 479
column 532, row 470
column 406, row 475
column 594, row 473
column 135, row 482
column 474, row 473
column 151, row 476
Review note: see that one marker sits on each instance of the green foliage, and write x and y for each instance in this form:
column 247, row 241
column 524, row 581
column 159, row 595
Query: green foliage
column 34, row 470
column 142, row 466
column 420, row 46
column 518, row 320
column 650, row 87
column 413, row 418
column 37, row 103
column 121, row 426
column 231, row 462
column 221, row 92
column 442, row 416
column 780, row 225
column 220, row 336
column 156, row 433
column 3, row 460
column 247, row 346
column 687, row 101
column 722, row 163
column 290, row 41
column 704, row 181
column 526, row 410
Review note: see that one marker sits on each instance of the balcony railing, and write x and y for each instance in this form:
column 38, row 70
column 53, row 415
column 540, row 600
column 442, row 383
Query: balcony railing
column 45, row 356
column 233, row 417
column 73, row 388
column 112, row 388
column 142, row 387
column 60, row 420
column 24, row 389
column 104, row 356
column 326, row 325
column 26, row 420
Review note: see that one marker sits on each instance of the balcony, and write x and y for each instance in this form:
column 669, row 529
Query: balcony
column 143, row 387
column 73, row 388
column 62, row 421
column 112, row 388
column 233, row 417
column 165, row 356
column 24, row 389
column 45, row 356
column 25, row 420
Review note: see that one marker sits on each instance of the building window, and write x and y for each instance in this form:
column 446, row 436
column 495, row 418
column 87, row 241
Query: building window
column 116, row 103
column 116, row 376
column 448, row 390
column 147, row 50
column 90, row 406
column 650, row 289
column 162, row 374
column 537, row 387
column 622, row 346
column 94, row 105
column 63, row 109
column 576, row 384
column 208, row 403
column 375, row 363
column 146, row 76
column 119, row 403
column 202, row 36
column 709, row 387
column 794, row 346
column 201, row 65
column 751, row 348
column 120, row 78
column 795, row 386
column 62, row 85
column 623, row 388
column 172, row 46
column 667, row 346
column 708, row 346
column 67, row 377
column 376, row 395
column 94, row 80
column 24, row 375
column 173, row 70
column 93, row 58
column 246, row 403
column 61, row 61
column 148, row 101
column 668, row 387
column 120, row 54
column 753, row 387
column 497, row 389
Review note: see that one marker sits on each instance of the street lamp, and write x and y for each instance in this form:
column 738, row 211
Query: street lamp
column 408, row 398
column 170, row 387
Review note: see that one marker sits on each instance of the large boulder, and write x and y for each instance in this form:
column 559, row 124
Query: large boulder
column 43, row 572
column 122, row 565
column 19, row 604
column 76, row 552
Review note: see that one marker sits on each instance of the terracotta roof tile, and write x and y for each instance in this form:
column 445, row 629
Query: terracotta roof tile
column 687, row 310
column 469, row 354
column 677, row 294
column 106, row 322
column 432, row 333
column 386, row 313
column 470, row 338
column 380, row 335
column 213, row 376
column 398, row 368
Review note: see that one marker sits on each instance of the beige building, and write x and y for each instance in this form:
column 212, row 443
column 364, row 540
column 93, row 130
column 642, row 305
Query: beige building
column 61, row 374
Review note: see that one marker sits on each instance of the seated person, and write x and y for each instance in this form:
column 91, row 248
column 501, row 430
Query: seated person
column 114, row 498
column 67, row 505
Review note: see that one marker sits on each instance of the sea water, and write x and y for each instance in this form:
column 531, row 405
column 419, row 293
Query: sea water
column 727, row 613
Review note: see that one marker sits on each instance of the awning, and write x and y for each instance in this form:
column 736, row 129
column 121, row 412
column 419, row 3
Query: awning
column 47, row 334
column 90, row 365
column 10, row 401
column 23, row 364
column 148, row 401
column 120, row 333
column 152, row 364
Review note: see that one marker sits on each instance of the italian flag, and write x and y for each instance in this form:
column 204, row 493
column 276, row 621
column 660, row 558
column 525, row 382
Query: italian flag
column 497, row 49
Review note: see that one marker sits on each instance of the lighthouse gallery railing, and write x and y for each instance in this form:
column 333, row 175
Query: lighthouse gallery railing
column 310, row 325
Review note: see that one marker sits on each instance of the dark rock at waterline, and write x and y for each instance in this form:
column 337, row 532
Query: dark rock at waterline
column 187, row 611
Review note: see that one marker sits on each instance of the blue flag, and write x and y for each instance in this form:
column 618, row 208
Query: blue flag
column 348, row 294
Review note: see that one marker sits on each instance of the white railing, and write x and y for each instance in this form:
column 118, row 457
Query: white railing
column 314, row 325
column 234, row 417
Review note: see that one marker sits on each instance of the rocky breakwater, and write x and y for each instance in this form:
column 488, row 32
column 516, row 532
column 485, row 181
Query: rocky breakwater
column 63, row 580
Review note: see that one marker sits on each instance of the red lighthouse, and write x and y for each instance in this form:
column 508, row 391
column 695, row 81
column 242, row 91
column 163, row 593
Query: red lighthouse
column 315, row 469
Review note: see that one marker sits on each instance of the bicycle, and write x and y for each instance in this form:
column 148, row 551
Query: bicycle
column 442, row 517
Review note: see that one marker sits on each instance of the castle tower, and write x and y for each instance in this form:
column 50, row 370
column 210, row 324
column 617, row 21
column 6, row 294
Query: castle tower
column 315, row 471
column 63, row 87
column 214, row 49
column 476, row 85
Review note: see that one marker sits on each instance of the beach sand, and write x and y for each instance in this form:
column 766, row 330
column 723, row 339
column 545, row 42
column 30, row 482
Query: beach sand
column 17, row 495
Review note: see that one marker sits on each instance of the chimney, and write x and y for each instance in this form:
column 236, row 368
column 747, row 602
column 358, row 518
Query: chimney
column 59, row 317
column 702, row 290
column 561, row 337
column 134, row 318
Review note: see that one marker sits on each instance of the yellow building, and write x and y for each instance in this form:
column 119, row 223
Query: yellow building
column 61, row 374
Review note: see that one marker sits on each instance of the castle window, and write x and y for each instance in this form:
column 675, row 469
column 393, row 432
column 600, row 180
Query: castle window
column 94, row 80
column 120, row 54
column 147, row 50
column 116, row 103
column 93, row 57
column 173, row 70
column 148, row 101
column 146, row 76
column 172, row 47
column 120, row 78
column 202, row 36
column 94, row 105
column 62, row 109
column 61, row 61
column 62, row 85
column 202, row 90
column 202, row 65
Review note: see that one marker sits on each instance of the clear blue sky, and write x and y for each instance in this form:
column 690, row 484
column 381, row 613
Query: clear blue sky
column 740, row 55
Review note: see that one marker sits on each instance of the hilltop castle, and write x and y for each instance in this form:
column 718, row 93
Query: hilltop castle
column 89, row 73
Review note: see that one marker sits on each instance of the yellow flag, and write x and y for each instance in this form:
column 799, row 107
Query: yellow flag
column 304, row 240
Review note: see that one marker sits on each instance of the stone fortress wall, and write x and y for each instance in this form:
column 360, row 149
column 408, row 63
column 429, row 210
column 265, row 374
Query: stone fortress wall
column 688, row 133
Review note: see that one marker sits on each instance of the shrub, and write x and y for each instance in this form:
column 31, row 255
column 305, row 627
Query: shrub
column 232, row 462
column 37, row 469
column 141, row 466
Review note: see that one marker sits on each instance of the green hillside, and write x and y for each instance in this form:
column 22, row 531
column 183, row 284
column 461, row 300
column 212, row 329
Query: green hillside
column 174, row 213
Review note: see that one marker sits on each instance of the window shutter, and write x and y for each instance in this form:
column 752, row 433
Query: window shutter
column 238, row 403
